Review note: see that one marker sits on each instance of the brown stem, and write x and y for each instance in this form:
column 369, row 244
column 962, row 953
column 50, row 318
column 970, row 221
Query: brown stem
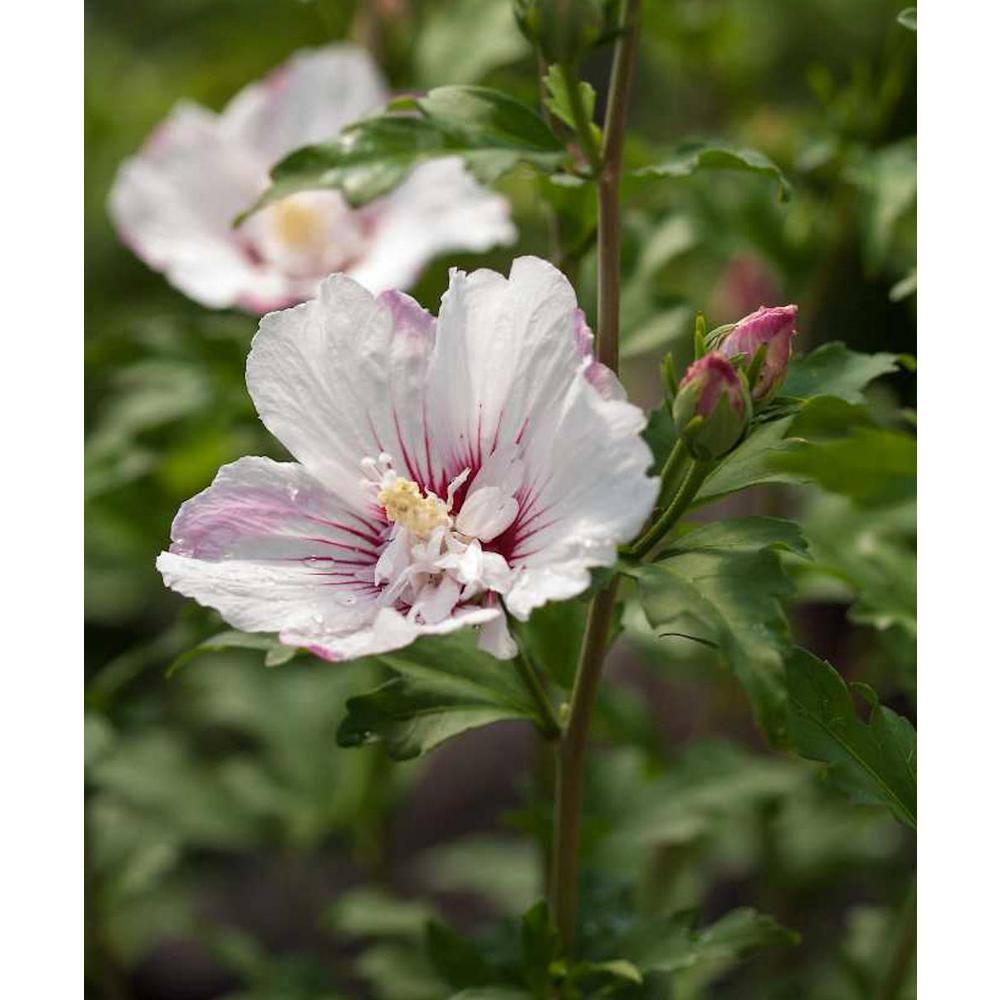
column 569, row 769
column 608, row 185
column 563, row 888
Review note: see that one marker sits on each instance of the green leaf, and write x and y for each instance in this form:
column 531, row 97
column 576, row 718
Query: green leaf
column 539, row 947
column 490, row 118
column 660, row 434
column 98, row 738
column 873, row 551
column 887, row 179
column 834, row 370
column 811, row 406
column 907, row 17
column 662, row 327
column 872, row 466
column 821, row 417
column 552, row 639
column 446, row 687
column 456, row 959
column 752, row 462
column 399, row 972
column 275, row 652
column 461, row 41
column 690, row 157
column 559, row 101
column 731, row 597
column 874, row 762
column 371, row 912
column 904, row 288
column 489, row 130
column 617, row 970
column 706, row 791
column 672, row 944
column 502, row 870
column 743, row 534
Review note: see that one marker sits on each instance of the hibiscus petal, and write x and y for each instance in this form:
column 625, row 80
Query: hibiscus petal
column 601, row 377
column 509, row 362
column 270, row 548
column 174, row 203
column 389, row 630
column 308, row 99
column 438, row 208
column 342, row 378
column 486, row 513
column 495, row 638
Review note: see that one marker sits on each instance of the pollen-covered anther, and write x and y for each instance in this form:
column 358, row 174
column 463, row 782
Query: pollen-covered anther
column 408, row 507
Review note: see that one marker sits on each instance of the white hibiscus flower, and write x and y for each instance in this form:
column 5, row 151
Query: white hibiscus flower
column 175, row 201
column 447, row 471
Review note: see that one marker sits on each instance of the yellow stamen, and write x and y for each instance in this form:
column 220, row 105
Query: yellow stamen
column 297, row 224
column 407, row 506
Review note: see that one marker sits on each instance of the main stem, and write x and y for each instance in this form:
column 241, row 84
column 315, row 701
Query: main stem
column 608, row 185
column 569, row 771
column 563, row 889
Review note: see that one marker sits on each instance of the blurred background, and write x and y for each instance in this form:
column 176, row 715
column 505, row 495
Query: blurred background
column 233, row 850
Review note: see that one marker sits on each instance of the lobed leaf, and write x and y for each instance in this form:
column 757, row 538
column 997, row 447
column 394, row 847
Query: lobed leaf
column 872, row 466
column 834, row 370
column 873, row 762
column 672, row 944
column 559, row 100
column 691, row 157
column 822, row 397
column 275, row 652
column 873, row 552
column 726, row 587
column 752, row 462
column 743, row 534
column 446, row 687
column 489, row 130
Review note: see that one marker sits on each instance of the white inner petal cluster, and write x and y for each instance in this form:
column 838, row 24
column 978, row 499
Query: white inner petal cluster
column 435, row 560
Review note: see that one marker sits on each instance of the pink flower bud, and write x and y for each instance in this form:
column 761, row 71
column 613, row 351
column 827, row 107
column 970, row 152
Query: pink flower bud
column 713, row 390
column 772, row 327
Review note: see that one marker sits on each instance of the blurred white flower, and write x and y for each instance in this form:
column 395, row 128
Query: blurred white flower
column 174, row 202
column 446, row 470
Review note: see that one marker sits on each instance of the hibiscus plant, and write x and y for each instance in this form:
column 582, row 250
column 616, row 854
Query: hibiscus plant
column 472, row 504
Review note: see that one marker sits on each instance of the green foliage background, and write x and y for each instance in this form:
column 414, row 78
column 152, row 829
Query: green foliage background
column 233, row 848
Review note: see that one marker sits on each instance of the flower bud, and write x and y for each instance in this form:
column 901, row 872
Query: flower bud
column 712, row 407
column 769, row 327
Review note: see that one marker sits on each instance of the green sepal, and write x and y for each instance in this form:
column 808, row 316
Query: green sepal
column 668, row 378
column 700, row 348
